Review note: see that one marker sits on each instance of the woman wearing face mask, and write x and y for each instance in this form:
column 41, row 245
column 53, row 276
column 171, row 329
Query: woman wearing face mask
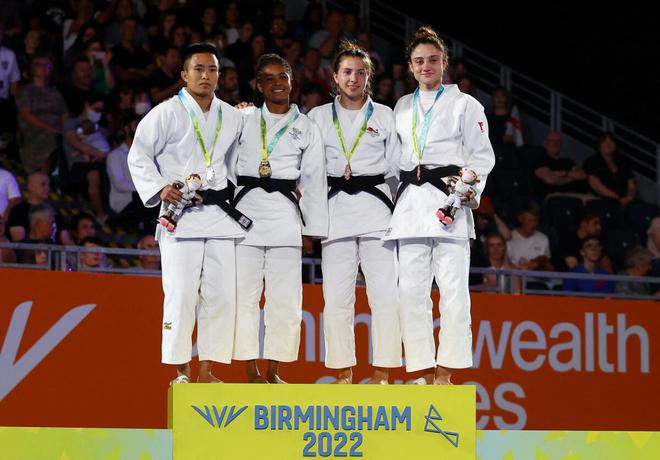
column 279, row 157
column 442, row 130
column 86, row 146
column 142, row 103
column 361, row 146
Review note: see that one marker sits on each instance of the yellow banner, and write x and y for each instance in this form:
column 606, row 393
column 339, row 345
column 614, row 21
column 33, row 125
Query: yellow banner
column 243, row 422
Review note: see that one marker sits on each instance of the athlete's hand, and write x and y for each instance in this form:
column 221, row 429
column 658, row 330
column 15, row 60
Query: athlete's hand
column 170, row 195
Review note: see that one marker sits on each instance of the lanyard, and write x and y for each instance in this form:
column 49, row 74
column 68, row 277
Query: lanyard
column 267, row 150
column 425, row 126
column 198, row 131
column 340, row 135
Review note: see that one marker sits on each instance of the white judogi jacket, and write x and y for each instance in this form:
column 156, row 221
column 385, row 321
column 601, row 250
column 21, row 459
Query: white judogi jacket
column 458, row 135
column 298, row 155
column 165, row 149
column 360, row 214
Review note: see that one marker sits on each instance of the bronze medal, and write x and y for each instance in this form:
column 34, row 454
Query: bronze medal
column 265, row 169
column 347, row 171
column 419, row 172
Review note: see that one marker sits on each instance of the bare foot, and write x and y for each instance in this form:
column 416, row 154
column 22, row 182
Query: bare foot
column 208, row 378
column 275, row 379
column 380, row 377
column 345, row 376
column 182, row 374
column 256, row 379
column 442, row 376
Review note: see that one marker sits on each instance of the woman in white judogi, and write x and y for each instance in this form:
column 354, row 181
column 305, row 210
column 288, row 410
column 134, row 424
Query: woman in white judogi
column 193, row 133
column 441, row 130
column 279, row 153
column 361, row 146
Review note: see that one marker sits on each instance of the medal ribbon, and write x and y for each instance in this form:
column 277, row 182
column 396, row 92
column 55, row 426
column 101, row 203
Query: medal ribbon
column 340, row 135
column 198, row 131
column 425, row 126
column 266, row 151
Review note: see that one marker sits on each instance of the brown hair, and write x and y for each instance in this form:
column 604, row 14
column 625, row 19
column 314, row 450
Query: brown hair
column 351, row 49
column 426, row 35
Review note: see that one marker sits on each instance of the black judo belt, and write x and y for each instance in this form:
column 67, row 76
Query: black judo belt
column 286, row 187
column 427, row 176
column 224, row 199
column 357, row 184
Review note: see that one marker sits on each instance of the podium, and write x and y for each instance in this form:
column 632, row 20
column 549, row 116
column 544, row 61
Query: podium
column 244, row 422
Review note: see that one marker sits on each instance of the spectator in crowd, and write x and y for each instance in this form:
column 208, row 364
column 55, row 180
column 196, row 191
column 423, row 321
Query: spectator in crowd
column 241, row 47
column 142, row 104
column 41, row 110
column 10, row 75
column 311, row 96
column 122, row 188
column 86, row 146
column 609, row 173
column 496, row 257
column 160, row 32
column 457, row 70
column 589, row 224
column 7, row 256
column 166, row 80
column 180, row 37
column 327, row 39
column 84, row 13
column 10, row 194
column 311, row 23
column 528, row 248
column 465, row 85
column 87, row 32
column 230, row 22
column 83, row 226
column 503, row 120
column 591, row 250
column 364, row 41
column 557, row 174
column 247, row 65
column 293, row 55
column 639, row 262
column 80, row 89
column 18, row 222
column 42, row 230
column 312, row 71
column 114, row 30
column 130, row 62
column 402, row 85
column 31, row 47
column 279, row 38
column 228, row 86
column 209, row 26
column 384, row 90
column 103, row 80
column 149, row 262
column 653, row 238
column 91, row 260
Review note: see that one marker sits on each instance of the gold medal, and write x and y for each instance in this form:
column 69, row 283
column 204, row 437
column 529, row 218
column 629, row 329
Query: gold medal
column 265, row 169
column 347, row 171
column 419, row 172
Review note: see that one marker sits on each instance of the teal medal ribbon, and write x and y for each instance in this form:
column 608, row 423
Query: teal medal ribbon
column 419, row 151
column 340, row 135
column 210, row 172
column 264, row 167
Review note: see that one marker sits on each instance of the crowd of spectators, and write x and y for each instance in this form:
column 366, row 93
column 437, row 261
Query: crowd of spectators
column 76, row 76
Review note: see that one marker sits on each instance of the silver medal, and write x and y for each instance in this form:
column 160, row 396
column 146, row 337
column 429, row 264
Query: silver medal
column 210, row 174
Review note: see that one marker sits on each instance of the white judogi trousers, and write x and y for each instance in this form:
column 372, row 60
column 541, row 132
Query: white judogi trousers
column 281, row 269
column 420, row 259
column 199, row 279
column 340, row 259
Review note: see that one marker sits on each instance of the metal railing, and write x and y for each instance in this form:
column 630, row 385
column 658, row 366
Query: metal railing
column 535, row 99
column 67, row 258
